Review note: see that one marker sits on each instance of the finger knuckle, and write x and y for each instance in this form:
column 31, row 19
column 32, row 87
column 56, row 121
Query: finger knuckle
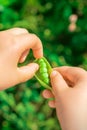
column 36, row 38
column 20, row 29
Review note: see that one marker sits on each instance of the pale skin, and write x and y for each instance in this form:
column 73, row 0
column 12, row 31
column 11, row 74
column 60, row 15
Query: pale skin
column 69, row 86
column 15, row 44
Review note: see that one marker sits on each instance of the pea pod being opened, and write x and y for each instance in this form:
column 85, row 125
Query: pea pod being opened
column 43, row 74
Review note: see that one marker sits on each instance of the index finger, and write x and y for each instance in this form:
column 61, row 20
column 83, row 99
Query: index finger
column 30, row 41
column 72, row 74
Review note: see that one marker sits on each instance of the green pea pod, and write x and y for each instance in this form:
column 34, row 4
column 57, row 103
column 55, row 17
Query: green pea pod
column 43, row 74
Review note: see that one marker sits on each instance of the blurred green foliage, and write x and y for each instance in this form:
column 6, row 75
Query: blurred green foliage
column 22, row 107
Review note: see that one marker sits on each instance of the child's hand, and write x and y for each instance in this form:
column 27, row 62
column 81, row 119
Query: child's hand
column 14, row 46
column 70, row 93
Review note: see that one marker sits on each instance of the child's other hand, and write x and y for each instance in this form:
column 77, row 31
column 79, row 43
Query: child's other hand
column 69, row 86
column 14, row 46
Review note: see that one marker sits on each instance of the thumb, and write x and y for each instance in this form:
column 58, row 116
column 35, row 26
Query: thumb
column 58, row 83
column 28, row 71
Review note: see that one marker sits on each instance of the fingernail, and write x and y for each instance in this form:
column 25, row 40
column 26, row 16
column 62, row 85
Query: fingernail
column 54, row 73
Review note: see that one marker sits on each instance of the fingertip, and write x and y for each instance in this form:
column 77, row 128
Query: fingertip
column 55, row 76
column 57, row 82
column 52, row 104
column 38, row 53
column 53, row 73
column 35, row 66
column 44, row 93
column 47, row 94
column 27, row 72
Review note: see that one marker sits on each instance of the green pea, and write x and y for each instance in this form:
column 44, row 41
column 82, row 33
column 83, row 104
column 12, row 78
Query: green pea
column 43, row 70
column 40, row 61
column 46, row 80
column 43, row 74
column 42, row 65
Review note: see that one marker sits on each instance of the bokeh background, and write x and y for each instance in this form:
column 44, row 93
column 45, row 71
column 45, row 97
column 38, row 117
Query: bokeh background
column 62, row 28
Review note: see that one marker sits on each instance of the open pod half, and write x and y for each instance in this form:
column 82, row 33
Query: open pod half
column 43, row 74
